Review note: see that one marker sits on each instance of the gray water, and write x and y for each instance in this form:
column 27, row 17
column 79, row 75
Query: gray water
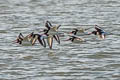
column 94, row 59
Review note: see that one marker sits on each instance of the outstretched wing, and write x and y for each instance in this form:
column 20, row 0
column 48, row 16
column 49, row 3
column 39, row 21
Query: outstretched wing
column 48, row 25
column 34, row 39
column 50, row 41
column 56, row 37
column 58, row 26
column 42, row 41
column 21, row 36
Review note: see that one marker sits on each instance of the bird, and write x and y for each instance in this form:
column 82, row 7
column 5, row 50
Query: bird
column 75, row 39
column 31, row 38
column 51, row 32
column 78, row 32
column 21, row 38
column 99, row 32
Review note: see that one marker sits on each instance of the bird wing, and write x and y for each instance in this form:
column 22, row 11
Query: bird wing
column 56, row 37
column 50, row 41
column 34, row 39
column 21, row 36
column 58, row 26
column 42, row 41
column 48, row 25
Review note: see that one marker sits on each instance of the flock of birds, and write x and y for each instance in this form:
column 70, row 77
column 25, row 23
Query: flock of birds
column 51, row 32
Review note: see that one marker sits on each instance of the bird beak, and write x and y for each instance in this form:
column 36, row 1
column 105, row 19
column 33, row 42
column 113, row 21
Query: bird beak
column 41, row 31
column 15, row 41
column 89, row 33
column 70, row 33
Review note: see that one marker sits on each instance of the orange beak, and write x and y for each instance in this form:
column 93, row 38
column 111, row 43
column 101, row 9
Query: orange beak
column 89, row 33
column 15, row 41
column 70, row 33
column 41, row 31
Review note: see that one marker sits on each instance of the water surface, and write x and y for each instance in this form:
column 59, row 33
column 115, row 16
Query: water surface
column 92, row 60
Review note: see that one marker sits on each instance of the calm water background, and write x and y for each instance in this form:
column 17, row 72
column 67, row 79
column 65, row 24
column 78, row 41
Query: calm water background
column 93, row 60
